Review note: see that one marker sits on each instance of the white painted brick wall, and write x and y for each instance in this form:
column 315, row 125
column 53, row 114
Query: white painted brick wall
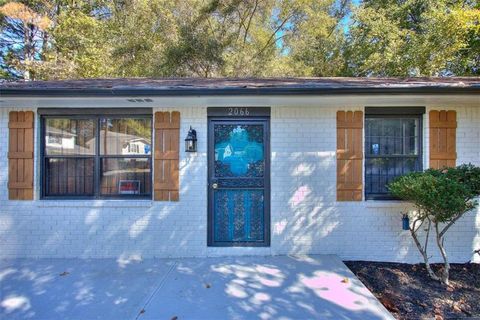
column 113, row 228
column 305, row 218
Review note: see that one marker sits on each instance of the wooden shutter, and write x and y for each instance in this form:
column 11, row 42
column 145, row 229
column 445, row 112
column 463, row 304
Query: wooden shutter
column 20, row 155
column 443, row 127
column 349, row 155
column 166, row 156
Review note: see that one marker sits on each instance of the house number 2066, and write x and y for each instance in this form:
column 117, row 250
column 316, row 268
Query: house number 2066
column 238, row 112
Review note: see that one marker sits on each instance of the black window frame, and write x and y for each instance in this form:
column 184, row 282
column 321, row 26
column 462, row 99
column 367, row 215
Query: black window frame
column 393, row 113
column 97, row 114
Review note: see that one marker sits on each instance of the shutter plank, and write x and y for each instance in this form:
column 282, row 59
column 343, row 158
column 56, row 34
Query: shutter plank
column 442, row 140
column 349, row 155
column 20, row 125
column 350, row 141
column 12, row 178
column 166, row 156
column 357, row 144
column 20, row 155
column 443, row 126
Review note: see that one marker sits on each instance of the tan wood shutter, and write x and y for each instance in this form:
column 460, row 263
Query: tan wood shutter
column 166, row 156
column 20, row 155
column 349, row 155
column 443, row 127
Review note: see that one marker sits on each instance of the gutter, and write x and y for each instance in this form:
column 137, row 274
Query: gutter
column 129, row 92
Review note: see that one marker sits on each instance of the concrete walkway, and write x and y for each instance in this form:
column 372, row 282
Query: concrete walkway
column 305, row 287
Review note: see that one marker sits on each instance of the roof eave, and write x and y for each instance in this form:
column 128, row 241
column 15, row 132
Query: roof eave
column 129, row 92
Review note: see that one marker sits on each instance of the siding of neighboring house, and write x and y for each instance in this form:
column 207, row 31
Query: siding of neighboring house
column 305, row 216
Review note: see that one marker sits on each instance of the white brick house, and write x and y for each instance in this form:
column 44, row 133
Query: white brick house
column 279, row 165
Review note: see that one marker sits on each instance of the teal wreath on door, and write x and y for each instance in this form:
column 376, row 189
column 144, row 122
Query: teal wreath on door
column 237, row 151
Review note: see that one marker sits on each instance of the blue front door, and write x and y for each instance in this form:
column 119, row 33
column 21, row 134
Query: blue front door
column 238, row 182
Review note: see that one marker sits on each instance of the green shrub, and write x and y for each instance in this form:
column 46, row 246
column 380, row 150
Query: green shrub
column 441, row 197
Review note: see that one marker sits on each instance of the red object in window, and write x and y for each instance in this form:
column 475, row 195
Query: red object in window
column 129, row 187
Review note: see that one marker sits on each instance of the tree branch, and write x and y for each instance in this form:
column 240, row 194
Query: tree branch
column 274, row 33
column 241, row 24
column 428, row 233
column 250, row 21
column 449, row 224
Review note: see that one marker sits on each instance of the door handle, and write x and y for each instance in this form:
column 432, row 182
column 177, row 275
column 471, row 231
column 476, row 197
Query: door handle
column 214, row 185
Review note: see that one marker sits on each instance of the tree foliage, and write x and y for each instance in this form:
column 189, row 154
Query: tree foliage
column 22, row 38
column 56, row 39
column 441, row 197
column 415, row 38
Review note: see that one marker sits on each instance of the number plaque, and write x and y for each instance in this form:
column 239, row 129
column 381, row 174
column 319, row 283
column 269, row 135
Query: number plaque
column 238, row 112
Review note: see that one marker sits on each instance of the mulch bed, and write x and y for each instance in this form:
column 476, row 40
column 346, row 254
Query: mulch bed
column 408, row 293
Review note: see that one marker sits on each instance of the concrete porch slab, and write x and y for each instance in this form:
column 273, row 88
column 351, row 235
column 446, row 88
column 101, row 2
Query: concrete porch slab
column 282, row 287
column 92, row 289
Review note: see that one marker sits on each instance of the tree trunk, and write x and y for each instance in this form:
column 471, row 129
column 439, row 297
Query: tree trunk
column 446, row 264
column 44, row 45
column 26, row 51
column 423, row 251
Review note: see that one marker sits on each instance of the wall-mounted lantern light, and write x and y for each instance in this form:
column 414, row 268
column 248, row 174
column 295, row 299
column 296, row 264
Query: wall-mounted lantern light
column 405, row 222
column 191, row 141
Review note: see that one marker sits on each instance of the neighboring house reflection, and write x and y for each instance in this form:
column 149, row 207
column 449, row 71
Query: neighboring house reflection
column 116, row 143
column 113, row 143
column 138, row 146
column 62, row 142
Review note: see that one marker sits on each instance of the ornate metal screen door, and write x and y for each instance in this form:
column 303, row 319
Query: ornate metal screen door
column 238, row 182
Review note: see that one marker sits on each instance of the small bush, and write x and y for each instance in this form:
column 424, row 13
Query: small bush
column 441, row 198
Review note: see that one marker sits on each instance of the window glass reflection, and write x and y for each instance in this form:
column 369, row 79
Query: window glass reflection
column 69, row 176
column 69, row 136
column 125, row 176
column 126, row 136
